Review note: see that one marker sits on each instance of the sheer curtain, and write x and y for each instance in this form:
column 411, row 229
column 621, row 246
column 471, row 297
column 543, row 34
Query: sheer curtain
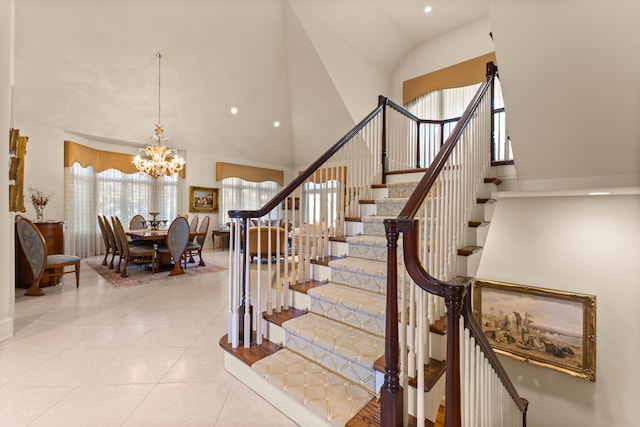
column 113, row 193
column 237, row 193
column 443, row 104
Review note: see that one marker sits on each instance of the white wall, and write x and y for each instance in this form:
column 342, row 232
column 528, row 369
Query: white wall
column 584, row 244
column 6, row 231
column 460, row 45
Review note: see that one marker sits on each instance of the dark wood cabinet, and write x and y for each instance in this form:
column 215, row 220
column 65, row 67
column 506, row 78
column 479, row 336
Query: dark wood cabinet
column 53, row 235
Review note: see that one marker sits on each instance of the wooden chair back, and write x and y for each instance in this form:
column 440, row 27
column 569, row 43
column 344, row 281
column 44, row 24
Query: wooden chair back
column 35, row 249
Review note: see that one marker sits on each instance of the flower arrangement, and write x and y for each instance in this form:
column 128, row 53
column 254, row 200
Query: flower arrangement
column 39, row 201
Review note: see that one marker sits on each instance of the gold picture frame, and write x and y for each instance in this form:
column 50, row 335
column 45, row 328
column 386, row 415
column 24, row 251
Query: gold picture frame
column 203, row 199
column 545, row 327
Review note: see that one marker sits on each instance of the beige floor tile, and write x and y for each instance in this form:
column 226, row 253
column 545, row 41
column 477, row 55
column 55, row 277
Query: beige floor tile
column 235, row 413
column 19, row 406
column 95, row 406
column 180, row 404
column 141, row 356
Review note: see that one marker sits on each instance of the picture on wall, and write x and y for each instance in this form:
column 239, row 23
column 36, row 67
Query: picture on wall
column 203, row 199
column 550, row 328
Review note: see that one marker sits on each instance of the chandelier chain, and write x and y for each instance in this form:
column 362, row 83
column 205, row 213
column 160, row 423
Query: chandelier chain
column 159, row 160
column 159, row 56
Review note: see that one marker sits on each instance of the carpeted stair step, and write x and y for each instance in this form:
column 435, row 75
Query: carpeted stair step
column 322, row 392
column 343, row 349
column 374, row 225
column 390, row 206
column 354, row 307
column 368, row 247
column 360, row 273
column 400, row 189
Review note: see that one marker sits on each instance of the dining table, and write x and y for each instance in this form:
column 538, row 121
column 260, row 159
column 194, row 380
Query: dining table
column 157, row 238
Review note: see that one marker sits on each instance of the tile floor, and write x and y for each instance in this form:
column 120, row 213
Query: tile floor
column 141, row 356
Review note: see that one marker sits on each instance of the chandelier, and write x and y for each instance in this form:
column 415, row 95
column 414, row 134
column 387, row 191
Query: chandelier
column 158, row 160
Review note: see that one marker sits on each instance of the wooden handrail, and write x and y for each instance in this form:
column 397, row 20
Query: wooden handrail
column 455, row 293
column 421, row 191
column 300, row 179
column 476, row 331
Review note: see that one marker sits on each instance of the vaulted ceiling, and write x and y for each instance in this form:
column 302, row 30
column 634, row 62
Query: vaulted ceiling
column 569, row 73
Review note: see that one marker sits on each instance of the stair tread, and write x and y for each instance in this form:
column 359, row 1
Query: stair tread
column 468, row 250
column 284, row 315
column 362, row 266
column 329, row 396
column 325, row 260
column 362, row 300
column 367, row 239
column 360, row 347
column 305, row 286
column 252, row 354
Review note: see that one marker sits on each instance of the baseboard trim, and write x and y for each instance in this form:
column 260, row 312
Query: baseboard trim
column 6, row 329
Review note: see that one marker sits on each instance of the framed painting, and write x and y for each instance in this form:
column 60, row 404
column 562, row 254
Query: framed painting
column 291, row 203
column 203, row 199
column 545, row 327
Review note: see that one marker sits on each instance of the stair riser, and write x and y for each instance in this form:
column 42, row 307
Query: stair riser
column 401, row 190
column 390, row 207
column 373, row 227
column 405, row 177
column 354, row 228
column 363, row 376
column 483, row 211
column 468, row 265
column 376, row 284
column 432, row 400
column 374, row 324
column 476, row 236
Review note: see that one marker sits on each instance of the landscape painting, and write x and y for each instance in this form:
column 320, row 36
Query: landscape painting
column 550, row 328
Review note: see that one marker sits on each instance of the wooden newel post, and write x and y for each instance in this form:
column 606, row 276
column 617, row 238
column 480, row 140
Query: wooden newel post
column 454, row 300
column 391, row 408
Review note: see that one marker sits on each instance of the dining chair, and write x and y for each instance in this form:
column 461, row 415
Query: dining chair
column 118, row 242
column 41, row 263
column 105, row 239
column 137, row 222
column 176, row 242
column 112, row 240
column 193, row 225
column 198, row 243
column 131, row 253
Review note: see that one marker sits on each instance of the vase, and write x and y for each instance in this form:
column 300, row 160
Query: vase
column 39, row 213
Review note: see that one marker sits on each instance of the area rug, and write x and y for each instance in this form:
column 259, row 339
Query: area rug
column 136, row 275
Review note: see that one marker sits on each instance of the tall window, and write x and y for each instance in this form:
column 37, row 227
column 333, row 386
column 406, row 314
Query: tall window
column 443, row 104
column 450, row 103
column 113, row 193
column 238, row 194
column 321, row 202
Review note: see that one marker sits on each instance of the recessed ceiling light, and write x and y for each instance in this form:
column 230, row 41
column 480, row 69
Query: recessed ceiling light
column 234, row 110
column 276, row 124
column 428, row 9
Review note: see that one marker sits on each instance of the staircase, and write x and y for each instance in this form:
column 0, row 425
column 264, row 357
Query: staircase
column 343, row 323
column 324, row 366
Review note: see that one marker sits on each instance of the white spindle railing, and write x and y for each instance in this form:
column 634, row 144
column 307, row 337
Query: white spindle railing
column 439, row 213
column 485, row 401
column 271, row 249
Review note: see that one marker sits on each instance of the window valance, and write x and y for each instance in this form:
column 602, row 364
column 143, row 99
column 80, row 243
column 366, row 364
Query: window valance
column 463, row 74
column 100, row 160
column 248, row 173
